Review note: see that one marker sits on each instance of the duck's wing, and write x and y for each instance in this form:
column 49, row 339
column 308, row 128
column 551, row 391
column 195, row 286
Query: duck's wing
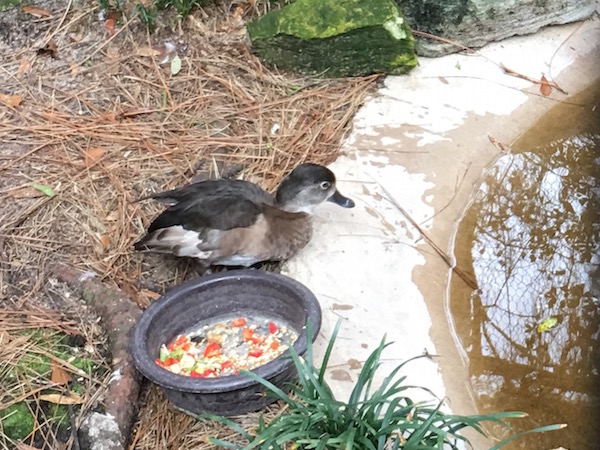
column 207, row 189
column 214, row 204
column 202, row 213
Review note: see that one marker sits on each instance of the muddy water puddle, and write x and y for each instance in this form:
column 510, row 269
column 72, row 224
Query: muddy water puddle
column 530, row 333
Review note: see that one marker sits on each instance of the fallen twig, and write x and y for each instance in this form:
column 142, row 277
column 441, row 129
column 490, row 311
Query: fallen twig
column 119, row 314
column 445, row 257
column 541, row 82
column 506, row 70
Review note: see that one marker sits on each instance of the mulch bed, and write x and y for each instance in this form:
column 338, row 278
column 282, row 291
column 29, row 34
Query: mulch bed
column 101, row 121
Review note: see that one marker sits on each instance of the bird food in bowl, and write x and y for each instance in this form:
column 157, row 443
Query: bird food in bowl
column 193, row 340
column 227, row 346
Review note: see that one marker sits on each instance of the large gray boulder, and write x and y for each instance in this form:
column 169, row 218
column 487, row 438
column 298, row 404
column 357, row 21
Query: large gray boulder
column 474, row 23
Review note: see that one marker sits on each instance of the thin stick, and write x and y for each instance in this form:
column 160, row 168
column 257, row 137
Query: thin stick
column 445, row 257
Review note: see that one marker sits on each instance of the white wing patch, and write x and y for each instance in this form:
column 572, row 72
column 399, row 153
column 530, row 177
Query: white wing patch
column 178, row 241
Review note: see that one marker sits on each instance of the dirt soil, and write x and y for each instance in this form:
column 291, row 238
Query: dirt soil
column 93, row 118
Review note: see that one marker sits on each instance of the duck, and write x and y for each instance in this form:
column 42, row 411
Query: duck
column 229, row 222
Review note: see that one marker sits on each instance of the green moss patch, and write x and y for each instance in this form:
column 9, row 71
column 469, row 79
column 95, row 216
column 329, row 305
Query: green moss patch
column 7, row 4
column 335, row 37
column 31, row 360
column 17, row 421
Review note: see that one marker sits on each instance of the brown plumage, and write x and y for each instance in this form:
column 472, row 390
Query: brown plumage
column 236, row 223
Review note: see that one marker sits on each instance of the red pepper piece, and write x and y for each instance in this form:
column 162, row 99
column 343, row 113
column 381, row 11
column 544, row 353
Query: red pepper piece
column 195, row 374
column 247, row 333
column 208, row 372
column 275, row 345
column 272, row 328
column 258, row 339
column 180, row 341
column 256, row 352
column 170, row 361
column 239, row 322
column 226, row 365
column 212, row 350
column 159, row 362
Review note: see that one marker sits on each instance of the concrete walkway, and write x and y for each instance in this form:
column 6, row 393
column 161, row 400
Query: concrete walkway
column 418, row 149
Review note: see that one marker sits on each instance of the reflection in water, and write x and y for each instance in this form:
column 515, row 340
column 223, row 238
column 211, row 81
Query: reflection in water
column 532, row 239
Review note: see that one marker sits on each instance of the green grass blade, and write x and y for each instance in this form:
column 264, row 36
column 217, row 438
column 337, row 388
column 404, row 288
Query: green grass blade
column 418, row 434
column 557, row 426
column 309, row 342
column 365, row 377
column 349, row 440
column 322, row 445
column 328, row 350
column 225, row 421
column 224, row 444
column 387, row 419
column 278, row 393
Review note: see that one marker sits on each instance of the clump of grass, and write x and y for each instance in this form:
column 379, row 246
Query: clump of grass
column 385, row 419
column 148, row 13
column 183, row 7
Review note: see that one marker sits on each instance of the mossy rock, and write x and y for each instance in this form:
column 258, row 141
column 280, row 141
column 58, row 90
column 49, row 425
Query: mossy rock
column 17, row 421
column 335, row 38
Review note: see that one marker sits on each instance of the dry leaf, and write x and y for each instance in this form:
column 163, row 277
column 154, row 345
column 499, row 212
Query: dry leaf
column 110, row 26
column 151, row 294
column 36, row 12
column 114, row 14
column 25, row 192
column 4, row 338
column 112, row 52
column 504, row 148
column 24, row 66
column 105, row 241
column 21, row 446
column 59, row 375
column 238, row 13
column 545, row 87
column 71, row 399
column 443, row 80
column 93, row 155
column 11, row 100
column 75, row 69
column 147, row 51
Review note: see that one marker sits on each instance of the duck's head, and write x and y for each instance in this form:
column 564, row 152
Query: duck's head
column 306, row 187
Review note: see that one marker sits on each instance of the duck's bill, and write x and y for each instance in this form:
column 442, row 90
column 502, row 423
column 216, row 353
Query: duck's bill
column 339, row 199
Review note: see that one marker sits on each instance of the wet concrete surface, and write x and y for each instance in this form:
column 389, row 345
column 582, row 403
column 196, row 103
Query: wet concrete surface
column 417, row 152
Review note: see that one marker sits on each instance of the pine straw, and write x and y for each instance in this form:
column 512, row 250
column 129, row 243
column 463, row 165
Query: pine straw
column 104, row 125
column 105, row 135
column 160, row 427
column 27, row 338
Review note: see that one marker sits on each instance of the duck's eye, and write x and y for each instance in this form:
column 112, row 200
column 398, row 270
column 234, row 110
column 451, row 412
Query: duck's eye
column 325, row 185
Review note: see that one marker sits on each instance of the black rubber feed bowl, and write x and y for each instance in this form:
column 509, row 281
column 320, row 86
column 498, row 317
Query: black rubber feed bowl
column 238, row 293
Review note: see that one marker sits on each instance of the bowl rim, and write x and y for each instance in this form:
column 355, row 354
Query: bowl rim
column 148, row 367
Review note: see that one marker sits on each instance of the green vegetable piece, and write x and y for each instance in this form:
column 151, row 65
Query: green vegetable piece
column 547, row 324
column 164, row 354
column 46, row 190
column 177, row 353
